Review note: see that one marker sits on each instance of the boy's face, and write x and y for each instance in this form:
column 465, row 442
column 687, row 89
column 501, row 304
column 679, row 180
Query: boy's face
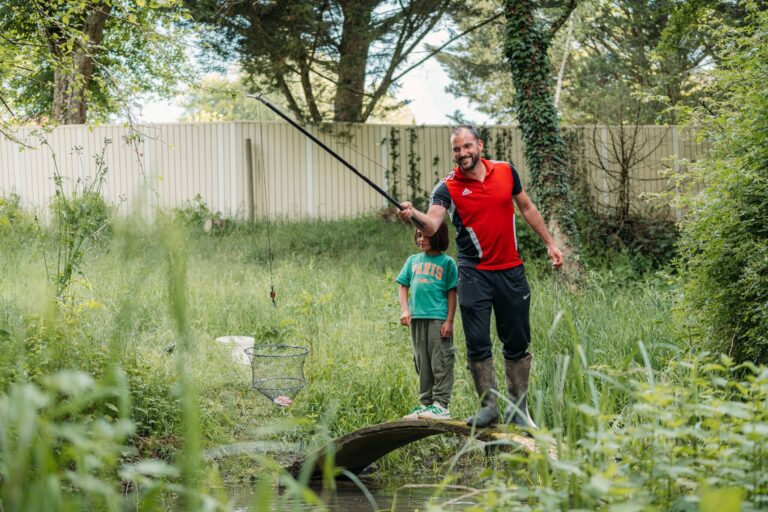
column 422, row 241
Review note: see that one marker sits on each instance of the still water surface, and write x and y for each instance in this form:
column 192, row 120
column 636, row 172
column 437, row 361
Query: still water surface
column 351, row 499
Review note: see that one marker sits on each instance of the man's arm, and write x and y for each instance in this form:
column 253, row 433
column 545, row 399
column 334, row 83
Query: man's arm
column 430, row 220
column 534, row 219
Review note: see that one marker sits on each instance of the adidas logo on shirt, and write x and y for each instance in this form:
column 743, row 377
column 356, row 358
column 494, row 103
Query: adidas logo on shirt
column 466, row 192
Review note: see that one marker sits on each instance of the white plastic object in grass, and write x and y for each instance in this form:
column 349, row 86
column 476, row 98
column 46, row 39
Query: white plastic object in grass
column 238, row 345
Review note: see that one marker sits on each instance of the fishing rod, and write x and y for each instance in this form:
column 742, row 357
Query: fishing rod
column 331, row 152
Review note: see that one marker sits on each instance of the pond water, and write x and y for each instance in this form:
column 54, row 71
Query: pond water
column 349, row 498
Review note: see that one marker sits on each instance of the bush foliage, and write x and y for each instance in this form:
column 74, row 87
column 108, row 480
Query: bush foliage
column 689, row 438
column 648, row 243
column 724, row 246
column 14, row 221
column 85, row 212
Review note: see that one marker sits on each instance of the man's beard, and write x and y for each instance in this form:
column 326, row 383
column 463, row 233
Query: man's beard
column 472, row 163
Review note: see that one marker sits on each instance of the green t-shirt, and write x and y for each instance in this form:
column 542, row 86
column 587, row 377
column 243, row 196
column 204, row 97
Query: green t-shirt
column 429, row 279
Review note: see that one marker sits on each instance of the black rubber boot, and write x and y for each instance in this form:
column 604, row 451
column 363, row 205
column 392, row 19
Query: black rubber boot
column 517, row 374
column 484, row 376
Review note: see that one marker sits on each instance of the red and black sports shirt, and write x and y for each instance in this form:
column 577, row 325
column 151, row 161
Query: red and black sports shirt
column 484, row 215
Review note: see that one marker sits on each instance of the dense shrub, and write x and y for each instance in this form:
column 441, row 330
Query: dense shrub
column 78, row 218
column 641, row 239
column 197, row 215
column 690, row 438
column 647, row 241
column 724, row 246
column 14, row 221
column 84, row 212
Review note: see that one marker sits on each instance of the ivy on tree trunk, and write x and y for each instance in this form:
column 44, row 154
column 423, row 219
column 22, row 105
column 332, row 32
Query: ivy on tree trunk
column 527, row 40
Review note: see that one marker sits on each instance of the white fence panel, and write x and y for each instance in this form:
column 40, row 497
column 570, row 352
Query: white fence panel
column 168, row 165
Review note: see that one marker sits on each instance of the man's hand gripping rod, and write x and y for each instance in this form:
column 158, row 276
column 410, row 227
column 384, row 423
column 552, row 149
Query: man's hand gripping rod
column 349, row 166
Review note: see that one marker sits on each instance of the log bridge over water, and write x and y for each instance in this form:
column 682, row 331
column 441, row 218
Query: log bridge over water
column 359, row 449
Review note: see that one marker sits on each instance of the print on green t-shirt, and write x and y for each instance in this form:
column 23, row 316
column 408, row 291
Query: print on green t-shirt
column 429, row 279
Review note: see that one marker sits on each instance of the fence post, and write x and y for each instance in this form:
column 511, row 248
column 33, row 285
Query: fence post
column 383, row 144
column 311, row 210
column 249, row 180
column 149, row 182
column 16, row 187
column 234, row 204
column 676, row 168
column 604, row 156
column 220, row 168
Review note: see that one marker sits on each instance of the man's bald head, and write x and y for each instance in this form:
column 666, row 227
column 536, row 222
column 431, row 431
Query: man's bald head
column 465, row 127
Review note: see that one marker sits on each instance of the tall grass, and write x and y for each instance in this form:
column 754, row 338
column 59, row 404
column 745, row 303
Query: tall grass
column 335, row 293
column 152, row 304
column 690, row 438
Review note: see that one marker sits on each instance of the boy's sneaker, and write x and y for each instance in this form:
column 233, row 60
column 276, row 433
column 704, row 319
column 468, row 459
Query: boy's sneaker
column 435, row 412
column 414, row 414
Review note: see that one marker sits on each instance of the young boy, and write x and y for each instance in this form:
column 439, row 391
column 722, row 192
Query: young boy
column 431, row 278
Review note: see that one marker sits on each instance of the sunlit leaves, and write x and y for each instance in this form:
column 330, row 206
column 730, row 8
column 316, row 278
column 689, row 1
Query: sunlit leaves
column 62, row 59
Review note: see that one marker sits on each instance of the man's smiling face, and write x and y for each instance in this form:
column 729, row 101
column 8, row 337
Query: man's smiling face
column 466, row 149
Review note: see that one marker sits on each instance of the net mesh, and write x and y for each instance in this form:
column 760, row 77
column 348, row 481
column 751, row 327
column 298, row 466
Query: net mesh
column 278, row 371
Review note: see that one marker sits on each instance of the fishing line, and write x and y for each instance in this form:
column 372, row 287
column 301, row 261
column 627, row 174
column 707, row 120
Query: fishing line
column 554, row 295
column 265, row 196
column 557, row 313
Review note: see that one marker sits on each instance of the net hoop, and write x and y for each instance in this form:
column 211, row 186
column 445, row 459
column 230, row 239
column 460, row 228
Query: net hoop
column 276, row 350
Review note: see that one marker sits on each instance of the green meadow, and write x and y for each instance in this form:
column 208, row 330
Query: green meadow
column 639, row 419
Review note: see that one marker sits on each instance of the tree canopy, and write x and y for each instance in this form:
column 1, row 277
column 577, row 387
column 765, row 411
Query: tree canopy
column 220, row 98
column 332, row 59
column 627, row 60
column 72, row 62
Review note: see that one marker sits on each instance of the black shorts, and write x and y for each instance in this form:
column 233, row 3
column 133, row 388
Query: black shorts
column 507, row 293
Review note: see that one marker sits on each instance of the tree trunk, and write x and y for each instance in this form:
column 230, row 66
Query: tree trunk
column 526, row 45
column 74, row 71
column 566, row 53
column 353, row 58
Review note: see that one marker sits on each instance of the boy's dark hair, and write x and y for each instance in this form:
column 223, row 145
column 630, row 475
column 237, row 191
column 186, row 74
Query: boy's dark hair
column 439, row 241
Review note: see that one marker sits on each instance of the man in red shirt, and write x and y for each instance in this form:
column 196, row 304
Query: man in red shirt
column 480, row 197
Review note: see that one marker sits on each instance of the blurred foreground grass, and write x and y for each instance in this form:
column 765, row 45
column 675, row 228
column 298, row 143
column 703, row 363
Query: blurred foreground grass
column 600, row 352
